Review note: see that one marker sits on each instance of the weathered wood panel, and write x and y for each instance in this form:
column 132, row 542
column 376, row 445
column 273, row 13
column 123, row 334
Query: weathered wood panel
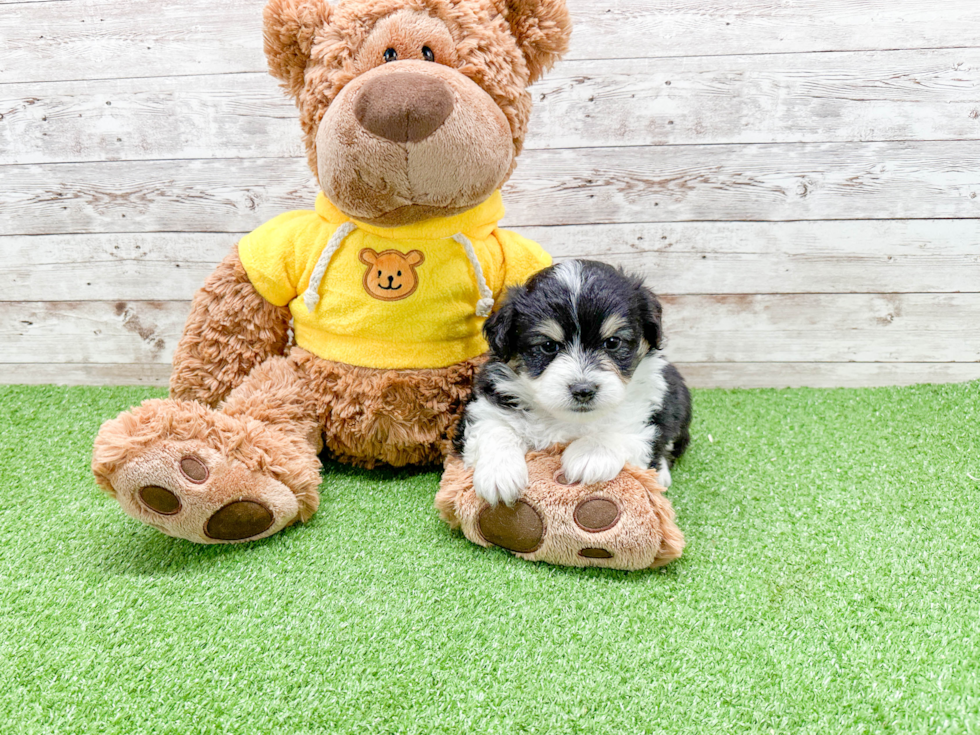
column 66, row 373
column 736, row 328
column 787, row 98
column 753, row 182
column 802, row 189
column 823, row 375
column 219, row 116
column 887, row 256
column 109, row 267
column 586, row 186
column 823, row 328
column 146, row 196
column 878, row 96
column 698, row 375
column 144, row 38
column 91, row 331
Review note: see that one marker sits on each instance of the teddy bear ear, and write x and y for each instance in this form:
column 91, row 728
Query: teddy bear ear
column 415, row 257
column 542, row 29
column 368, row 256
column 289, row 27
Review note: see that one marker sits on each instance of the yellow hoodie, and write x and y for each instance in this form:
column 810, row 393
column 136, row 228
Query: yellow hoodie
column 388, row 297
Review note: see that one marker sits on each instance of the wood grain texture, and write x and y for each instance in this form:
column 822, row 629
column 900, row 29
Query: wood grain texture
column 700, row 328
column 585, row 186
column 43, row 41
column 823, row 328
column 698, row 375
column 219, row 116
column 131, row 332
column 887, row 256
column 653, row 28
column 66, row 373
column 799, row 178
column 152, row 196
column 789, row 98
column 876, row 96
column 824, row 375
column 106, row 267
column 755, row 182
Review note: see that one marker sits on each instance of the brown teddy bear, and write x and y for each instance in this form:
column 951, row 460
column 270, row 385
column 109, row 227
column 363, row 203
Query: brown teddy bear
column 413, row 114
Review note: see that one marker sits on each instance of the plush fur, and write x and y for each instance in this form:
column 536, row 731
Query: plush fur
column 487, row 51
column 575, row 359
column 232, row 455
column 638, row 531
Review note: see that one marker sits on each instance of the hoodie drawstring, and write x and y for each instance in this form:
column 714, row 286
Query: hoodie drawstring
column 311, row 296
column 485, row 305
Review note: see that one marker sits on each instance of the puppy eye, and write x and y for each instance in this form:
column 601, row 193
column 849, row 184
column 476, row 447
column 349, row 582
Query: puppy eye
column 427, row 54
column 549, row 348
column 390, row 55
column 613, row 343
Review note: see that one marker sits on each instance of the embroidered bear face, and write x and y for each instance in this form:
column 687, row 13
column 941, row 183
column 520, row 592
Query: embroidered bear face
column 391, row 275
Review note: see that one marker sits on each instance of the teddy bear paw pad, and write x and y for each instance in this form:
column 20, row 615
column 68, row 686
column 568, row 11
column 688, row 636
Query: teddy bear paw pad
column 594, row 552
column 239, row 520
column 518, row 528
column 191, row 491
column 160, row 499
column 596, row 514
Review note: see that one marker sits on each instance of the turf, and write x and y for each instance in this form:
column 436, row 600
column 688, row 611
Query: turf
column 831, row 584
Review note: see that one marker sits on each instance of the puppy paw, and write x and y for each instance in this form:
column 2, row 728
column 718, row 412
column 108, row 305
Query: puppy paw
column 589, row 462
column 500, row 479
column 663, row 473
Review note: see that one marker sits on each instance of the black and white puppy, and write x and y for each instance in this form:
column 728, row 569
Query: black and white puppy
column 574, row 357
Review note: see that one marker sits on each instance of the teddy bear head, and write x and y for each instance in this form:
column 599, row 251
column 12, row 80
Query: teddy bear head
column 412, row 109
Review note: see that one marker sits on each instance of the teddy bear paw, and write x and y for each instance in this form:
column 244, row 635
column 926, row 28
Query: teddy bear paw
column 189, row 490
column 625, row 523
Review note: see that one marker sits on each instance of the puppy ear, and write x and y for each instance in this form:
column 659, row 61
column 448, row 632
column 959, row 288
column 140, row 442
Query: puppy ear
column 650, row 316
column 289, row 27
column 499, row 328
column 542, row 29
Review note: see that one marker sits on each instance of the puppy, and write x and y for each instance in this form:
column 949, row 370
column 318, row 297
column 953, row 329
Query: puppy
column 574, row 357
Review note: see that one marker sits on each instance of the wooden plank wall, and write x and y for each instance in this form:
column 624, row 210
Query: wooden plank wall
column 799, row 179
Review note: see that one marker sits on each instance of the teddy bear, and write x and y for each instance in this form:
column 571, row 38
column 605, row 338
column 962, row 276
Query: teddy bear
column 354, row 327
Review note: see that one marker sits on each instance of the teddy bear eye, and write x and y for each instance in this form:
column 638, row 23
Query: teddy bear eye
column 379, row 274
column 399, row 272
column 427, row 54
column 390, row 55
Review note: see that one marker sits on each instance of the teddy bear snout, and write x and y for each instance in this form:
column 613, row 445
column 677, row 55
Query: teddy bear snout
column 403, row 107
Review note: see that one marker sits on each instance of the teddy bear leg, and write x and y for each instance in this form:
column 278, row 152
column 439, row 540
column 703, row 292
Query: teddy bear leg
column 395, row 417
column 242, row 473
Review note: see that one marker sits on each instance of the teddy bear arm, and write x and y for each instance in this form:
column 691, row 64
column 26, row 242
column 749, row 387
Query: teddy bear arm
column 230, row 330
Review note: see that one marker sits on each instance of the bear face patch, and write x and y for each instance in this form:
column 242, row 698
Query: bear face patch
column 391, row 275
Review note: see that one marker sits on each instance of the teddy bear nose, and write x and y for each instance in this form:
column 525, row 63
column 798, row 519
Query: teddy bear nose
column 403, row 107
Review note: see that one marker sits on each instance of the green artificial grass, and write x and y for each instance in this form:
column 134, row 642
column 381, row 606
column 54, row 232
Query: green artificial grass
column 831, row 583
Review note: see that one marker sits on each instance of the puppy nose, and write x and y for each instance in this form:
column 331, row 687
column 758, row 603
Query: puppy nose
column 403, row 107
column 583, row 392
